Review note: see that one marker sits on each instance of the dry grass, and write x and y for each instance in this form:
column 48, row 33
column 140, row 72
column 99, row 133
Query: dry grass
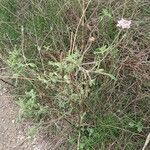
column 51, row 36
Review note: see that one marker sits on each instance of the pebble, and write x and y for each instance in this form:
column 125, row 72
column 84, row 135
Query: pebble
column 2, row 91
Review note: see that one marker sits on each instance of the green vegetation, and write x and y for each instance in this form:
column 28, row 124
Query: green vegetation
column 73, row 66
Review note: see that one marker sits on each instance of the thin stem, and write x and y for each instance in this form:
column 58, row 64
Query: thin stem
column 7, row 82
column 77, row 29
column 22, row 43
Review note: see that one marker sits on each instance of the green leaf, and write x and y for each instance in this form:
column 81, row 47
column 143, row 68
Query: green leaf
column 106, row 13
column 101, row 50
column 131, row 124
column 101, row 71
column 139, row 127
column 32, row 65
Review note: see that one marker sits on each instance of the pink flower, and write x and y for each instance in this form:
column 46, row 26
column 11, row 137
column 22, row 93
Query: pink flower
column 124, row 24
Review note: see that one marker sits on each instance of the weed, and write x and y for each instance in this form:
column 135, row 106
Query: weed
column 74, row 65
column 29, row 108
column 32, row 131
column 136, row 126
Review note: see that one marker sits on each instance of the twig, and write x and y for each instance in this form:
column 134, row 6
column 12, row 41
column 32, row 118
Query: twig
column 20, row 143
column 146, row 142
column 7, row 82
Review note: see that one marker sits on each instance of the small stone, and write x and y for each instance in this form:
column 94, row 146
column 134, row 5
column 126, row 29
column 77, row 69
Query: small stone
column 91, row 39
column 4, row 89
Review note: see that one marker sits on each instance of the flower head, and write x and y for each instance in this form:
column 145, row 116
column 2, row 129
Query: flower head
column 124, row 24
